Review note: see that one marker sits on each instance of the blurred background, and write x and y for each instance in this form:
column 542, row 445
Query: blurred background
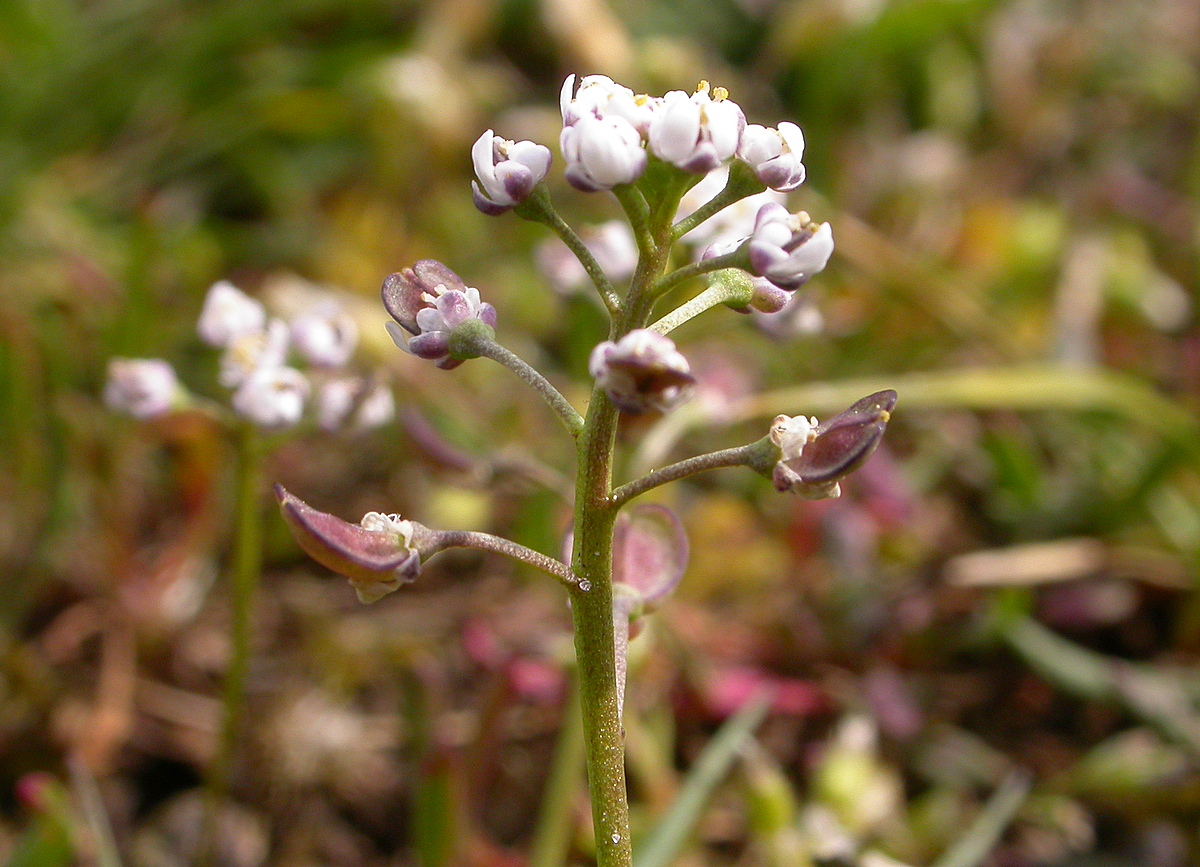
column 1007, row 591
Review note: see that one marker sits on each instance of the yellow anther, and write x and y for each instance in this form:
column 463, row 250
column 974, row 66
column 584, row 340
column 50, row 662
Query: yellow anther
column 720, row 93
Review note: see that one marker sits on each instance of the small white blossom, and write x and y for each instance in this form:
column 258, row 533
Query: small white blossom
column 696, row 133
column 600, row 96
column 506, row 171
column 272, row 397
column 376, row 409
column 253, row 351
column 325, row 335
column 793, row 434
column 602, row 152
column 642, row 371
column 788, row 249
column 348, row 400
column 774, row 154
column 227, row 314
column 145, row 388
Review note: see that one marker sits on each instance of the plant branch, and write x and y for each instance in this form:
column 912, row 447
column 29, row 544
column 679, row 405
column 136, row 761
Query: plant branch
column 757, row 455
column 498, row 545
column 566, row 413
column 697, row 269
column 575, row 244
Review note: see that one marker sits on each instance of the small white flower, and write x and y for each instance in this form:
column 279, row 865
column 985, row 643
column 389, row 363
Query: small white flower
column 145, row 388
column 339, row 399
column 793, row 434
column 774, row 154
column 696, row 133
column 254, row 351
column 227, row 314
column 600, row 96
column 788, row 249
column 377, row 408
column 602, row 152
column 642, row 371
column 325, row 336
column 506, row 171
column 272, row 397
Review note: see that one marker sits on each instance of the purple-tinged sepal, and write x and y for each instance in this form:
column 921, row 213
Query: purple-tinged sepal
column 377, row 556
column 430, row 302
column 814, row 457
column 506, row 172
column 641, row 372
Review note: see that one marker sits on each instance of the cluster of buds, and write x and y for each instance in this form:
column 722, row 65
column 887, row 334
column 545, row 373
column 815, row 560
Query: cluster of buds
column 268, row 392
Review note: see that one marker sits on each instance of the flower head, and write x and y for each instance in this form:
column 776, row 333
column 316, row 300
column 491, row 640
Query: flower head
column 377, row 556
column 227, row 314
column 788, row 249
column 506, row 171
column 144, row 388
column 815, row 457
column 774, row 154
column 696, row 133
column 642, row 371
column 325, row 335
column 429, row 301
column 272, row 397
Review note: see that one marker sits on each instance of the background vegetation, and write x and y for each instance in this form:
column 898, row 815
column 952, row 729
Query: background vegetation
column 1006, row 592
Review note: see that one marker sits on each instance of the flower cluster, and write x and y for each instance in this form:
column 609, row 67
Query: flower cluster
column 430, row 302
column 268, row 391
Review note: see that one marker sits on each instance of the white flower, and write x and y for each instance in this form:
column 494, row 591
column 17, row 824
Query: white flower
column 642, row 371
column 506, row 171
column 272, row 397
column 227, row 314
column 262, row 349
column 600, row 96
column 144, row 388
column 730, row 226
column 774, row 154
column 788, row 249
column 602, row 152
column 793, row 434
column 376, row 409
column 612, row 244
column 696, row 133
column 325, row 336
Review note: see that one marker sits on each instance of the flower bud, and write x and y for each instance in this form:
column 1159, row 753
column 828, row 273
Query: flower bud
column 227, row 314
column 600, row 96
column 642, row 371
column 774, row 154
column 788, row 249
column 144, row 388
column 429, row 301
column 272, row 397
column 696, row 133
column 377, row 556
column 325, row 335
column 815, row 457
column 506, row 171
column 602, row 153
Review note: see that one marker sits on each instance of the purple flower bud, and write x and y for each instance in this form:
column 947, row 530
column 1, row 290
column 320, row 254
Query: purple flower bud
column 506, row 171
column 377, row 556
column 429, row 301
column 788, row 249
column 815, row 457
column 642, row 371
column 145, row 388
column 696, row 133
column 774, row 154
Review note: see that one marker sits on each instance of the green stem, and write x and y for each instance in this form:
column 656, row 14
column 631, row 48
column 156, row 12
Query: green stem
column 637, row 210
column 247, row 570
column 552, row 838
column 733, row 259
column 760, row 455
column 714, row 296
column 566, row 413
column 983, row 835
column 575, row 244
column 742, row 183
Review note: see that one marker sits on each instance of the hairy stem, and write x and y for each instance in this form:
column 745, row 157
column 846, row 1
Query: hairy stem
column 697, row 269
column 566, row 413
column 575, row 244
column 715, row 295
column 498, row 545
column 758, row 455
